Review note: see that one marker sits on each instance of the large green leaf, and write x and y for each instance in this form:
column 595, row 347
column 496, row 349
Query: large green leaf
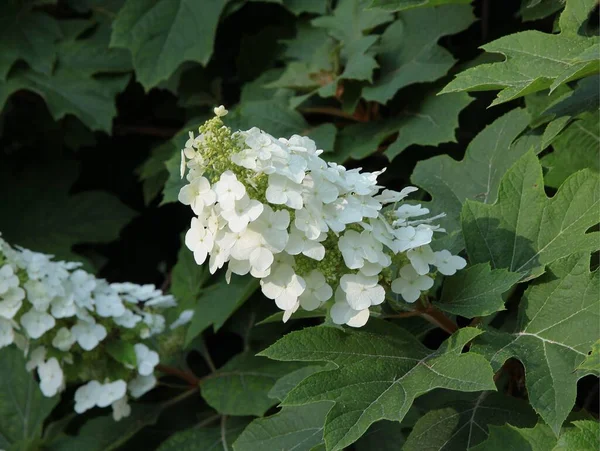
column 41, row 214
column 162, row 34
column 378, row 376
column 296, row 427
column 585, row 436
column 574, row 149
column 382, row 436
column 218, row 302
column 399, row 5
column 23, row 407
column 559, row 321
column 26, row 35
column 187, row 279
column 66, row 91
column 431, row 122
column 534, row 60
column 476, row 291
column 206, row 439
column 409, row 52
column 241, row 386
column 464, row 423
column 477, row 176
column 524, row 230
column 502, row 438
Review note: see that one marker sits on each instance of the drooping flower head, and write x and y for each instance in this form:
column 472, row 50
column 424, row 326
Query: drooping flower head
column 76, row 328
column 315, row 233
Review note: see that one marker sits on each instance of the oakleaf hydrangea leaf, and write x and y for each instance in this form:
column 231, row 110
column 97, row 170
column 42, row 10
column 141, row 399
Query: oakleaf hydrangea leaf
column 431, row 122
column 524, row 230
column 464, row 423
column 476, row 291
column 242, row 385
column 399, row 5
column 574, row 149
column 26, row 35
column 378, row 376
column 23, row 407
column 534, row 60
column 502, row 438
column 296, row 427
column 559, row 321
column 162, row 34
column 489, row 155
column 409, row 53
column 585, row 436
column 209, row 438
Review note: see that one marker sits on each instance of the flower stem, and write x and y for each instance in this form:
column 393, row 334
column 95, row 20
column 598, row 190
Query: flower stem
column 189, row 377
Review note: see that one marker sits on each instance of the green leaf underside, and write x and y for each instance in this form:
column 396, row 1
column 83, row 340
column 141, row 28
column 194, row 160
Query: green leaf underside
column 430, row 123
column 502, row 438
column 296, row 427
column 489, row 155
column 534, row 60
column 575, row 149
column 378, row 376
column 524, row 230
column 476, row 291
column 465, row 423
column 23, row 407
column 559, row 321
column 206, row 439
column 242, row 385
column 41, row 215
column 162, row 34
column 409, row 52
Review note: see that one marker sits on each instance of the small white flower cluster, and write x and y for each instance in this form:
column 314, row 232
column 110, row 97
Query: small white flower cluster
column 67, row 321
column 308, row 229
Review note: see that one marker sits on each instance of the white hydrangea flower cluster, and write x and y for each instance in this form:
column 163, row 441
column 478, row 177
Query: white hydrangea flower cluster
column 74, row 327
column 309, row 230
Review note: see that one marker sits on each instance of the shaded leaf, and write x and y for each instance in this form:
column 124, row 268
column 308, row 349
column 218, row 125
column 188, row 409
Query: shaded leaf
column 242, row 385
column 476, row 291
column 23, row 407
column 162, row 34
column 585, row 436
column 502, row 438
column 206, row 439
column 399, row 5
column 382, row 436
column 297, row 427
column 409, row 52
column 524, row 230
column 559, row 321
column 378, row 376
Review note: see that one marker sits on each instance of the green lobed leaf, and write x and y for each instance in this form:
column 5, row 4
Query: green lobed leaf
column 26, row 35
column 242, row 385
column 41, row 215
column 430, row 123
column 162, row 34
column 591, row 364
column 206, row 439
column 23, row 407
column 218, row 302
column 524, row 230
column 487, row 158
column 409, row 52
column 400, row 5
column 585, row 436
column 576, row 148
column 286, row 383
column 297, row 427
column 534, row 60
column 559, row 321
column 378, row 376
column 540, row 9
column 464, row 423
column 585, row 97
column 502, row 438
column 476, row 291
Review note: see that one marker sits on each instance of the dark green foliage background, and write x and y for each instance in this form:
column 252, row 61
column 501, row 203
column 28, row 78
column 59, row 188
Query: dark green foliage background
column 97, row 96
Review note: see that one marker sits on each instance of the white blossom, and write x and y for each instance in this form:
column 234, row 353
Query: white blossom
column 447, row 263
column 410, row 284
column 51, row 377
column 146, row 359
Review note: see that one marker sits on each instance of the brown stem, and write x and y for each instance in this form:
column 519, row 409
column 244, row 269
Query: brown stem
column 438, row 318
column 403, row 314
column 189, row 377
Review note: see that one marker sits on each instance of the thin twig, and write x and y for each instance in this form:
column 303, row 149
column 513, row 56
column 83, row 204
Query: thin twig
column 224, row 432
column 438, row 318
